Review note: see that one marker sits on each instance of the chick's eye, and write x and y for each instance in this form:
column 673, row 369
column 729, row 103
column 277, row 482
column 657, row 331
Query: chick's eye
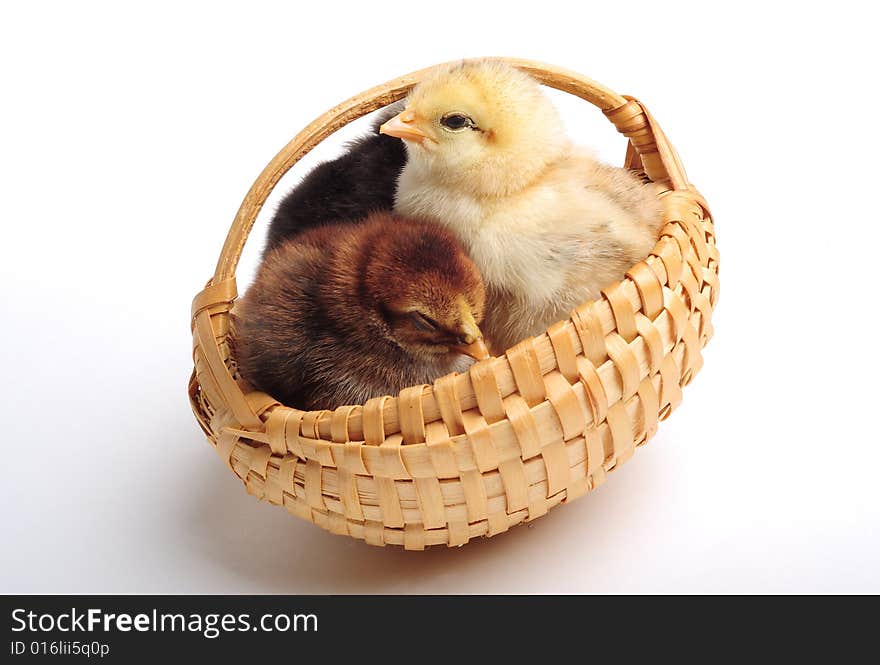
column 456, row 121
column 422, row 322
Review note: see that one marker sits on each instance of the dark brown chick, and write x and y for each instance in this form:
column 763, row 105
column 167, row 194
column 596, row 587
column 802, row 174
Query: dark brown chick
column 343, row 313
column 346, row 189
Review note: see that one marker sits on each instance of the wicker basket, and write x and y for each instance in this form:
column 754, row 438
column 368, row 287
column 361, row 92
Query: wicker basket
column 474, row 454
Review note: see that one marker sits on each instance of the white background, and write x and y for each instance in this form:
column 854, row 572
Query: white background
column 128, row 139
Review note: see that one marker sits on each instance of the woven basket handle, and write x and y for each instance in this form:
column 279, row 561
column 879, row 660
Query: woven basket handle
column 648, row 146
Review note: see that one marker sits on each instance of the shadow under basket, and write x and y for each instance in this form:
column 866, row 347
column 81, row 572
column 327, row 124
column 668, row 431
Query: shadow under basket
column 477, row 453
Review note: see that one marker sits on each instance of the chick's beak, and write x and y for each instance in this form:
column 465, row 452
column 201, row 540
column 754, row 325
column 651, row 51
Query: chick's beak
column 403, row 127
column 476, row 349
column 473, row 345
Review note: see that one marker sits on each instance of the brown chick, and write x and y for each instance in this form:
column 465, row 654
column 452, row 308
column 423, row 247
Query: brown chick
column 343, row 313
column 547, row 225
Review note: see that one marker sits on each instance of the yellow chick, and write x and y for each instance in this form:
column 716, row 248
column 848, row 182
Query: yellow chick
column 547, row 225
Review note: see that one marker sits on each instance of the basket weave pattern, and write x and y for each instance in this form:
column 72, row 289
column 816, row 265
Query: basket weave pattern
column 477, row 453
